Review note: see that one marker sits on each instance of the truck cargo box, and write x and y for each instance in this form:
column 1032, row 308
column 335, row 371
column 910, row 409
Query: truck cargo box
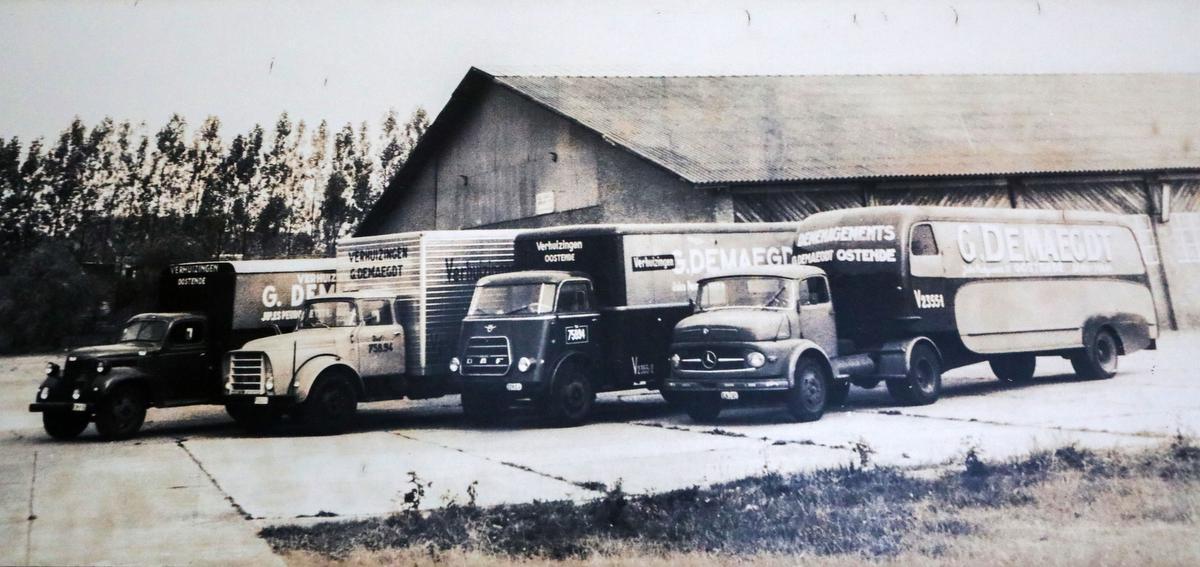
column 434, row 273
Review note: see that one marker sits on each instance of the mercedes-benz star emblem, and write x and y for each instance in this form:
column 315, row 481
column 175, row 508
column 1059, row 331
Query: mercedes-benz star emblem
column 705, row 330
column 489, row 328
column 710, row 359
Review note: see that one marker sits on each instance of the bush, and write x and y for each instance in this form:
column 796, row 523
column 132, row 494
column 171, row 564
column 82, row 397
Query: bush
column 45, row 297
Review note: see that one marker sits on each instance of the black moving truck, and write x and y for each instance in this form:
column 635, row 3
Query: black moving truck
column 591, row 308
column 172, row 357
column 901, row 294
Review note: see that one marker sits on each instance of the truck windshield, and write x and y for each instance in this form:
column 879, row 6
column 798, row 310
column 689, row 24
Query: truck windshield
column 144, row 331
column 517, row 299
column 761, row 292
column 328, row 313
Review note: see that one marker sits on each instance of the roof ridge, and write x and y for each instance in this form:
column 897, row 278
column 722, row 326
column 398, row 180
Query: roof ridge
column 842, row 75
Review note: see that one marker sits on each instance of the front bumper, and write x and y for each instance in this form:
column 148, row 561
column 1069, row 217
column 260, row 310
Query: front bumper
column 59, row 406
column 264, row 400
column 518, row 386
column 772, row 376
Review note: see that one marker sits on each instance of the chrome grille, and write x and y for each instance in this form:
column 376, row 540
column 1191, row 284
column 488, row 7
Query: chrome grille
column 247, row 372
column 721, row 358
column 487, row 356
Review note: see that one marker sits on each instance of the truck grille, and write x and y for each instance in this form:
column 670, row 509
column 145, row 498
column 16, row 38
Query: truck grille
column 713, row 359
column 247, row 372
column 487, row 356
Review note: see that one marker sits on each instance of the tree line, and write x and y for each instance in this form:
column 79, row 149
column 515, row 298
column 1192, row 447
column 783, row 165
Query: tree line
column 117, row 195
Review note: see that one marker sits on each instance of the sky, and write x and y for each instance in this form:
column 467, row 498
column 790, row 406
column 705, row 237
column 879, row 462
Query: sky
column 248, row 61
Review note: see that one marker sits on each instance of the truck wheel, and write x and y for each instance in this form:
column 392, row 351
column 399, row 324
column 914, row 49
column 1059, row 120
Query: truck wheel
column 483, row 409
column 1016, row 368
column 839, row 390
column 810, row 392
column 673, row 398
column 330, row 407
column 702, row 406
column 121, row 413
column 64, row 424
column 570, row 399
column 1098, row 359
column 923, row 384
column 252, row 419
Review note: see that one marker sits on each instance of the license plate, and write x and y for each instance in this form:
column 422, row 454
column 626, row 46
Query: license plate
column 260, row 400
column 78, row 407
column 729, row 395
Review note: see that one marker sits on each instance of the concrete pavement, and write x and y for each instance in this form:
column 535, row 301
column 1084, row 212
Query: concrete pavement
column 194, row 489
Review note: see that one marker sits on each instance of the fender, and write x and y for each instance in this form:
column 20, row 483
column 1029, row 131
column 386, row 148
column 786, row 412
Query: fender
column 120, row 376
column 895, row 356
column 1133, row 331
column 803, row 347
column 572, row 357
column 306, row 376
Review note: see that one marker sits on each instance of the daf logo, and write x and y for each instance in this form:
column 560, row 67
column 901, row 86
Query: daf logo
column 710, row 359
column 489, row 328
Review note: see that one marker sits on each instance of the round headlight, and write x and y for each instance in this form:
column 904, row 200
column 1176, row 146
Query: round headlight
column 675, row 360
column 75, row 394
column 45, row 393
column 101, row 368
column 51, row 369
column 756, row 359
column 270, row 385
column 523, row 364
column 455, row 364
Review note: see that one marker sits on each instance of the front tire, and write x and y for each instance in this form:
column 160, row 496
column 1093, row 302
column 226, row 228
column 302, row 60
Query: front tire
column 702, row 407
column 252, row 419
column 570, row 400
column 923, row 384
column 330, row 408
column 810, row 392
column 64, row 424
column 1015, row 368
column 483, row 409
column 121, row 412
column 1098, row 359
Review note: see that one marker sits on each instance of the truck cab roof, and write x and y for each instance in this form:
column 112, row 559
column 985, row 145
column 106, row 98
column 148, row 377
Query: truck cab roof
column 530, row 277
column 790, row 271
column 165, row 317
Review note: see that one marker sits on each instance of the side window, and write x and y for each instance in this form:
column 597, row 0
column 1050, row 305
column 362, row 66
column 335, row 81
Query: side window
column 922, row 242
column 814, row 291
column 376, row 312
column 187, row 333
column 575, row 297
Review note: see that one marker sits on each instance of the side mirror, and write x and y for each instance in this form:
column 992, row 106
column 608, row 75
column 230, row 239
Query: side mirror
column 692, row 305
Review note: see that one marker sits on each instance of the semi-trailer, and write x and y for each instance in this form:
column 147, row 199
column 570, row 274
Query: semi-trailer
column 901, row 294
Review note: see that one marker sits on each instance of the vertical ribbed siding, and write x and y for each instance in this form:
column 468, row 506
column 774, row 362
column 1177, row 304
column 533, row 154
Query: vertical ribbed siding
column 435, row 285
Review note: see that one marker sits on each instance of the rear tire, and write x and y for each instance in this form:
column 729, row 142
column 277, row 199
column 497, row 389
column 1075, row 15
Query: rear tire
column 1016, row 368
column 571, row 397
column 483, row 409
column 64, row 424
column 121, row 412
column 330, row 408
column 1099, row 357
column 702, row 407
column 252, row 419
column 923, row 384
column 807, row 398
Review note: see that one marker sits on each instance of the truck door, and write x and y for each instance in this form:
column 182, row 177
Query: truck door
column 576, row 319
column 185, row 365
column 379, row 340
column 816, row 314
column 927, row 280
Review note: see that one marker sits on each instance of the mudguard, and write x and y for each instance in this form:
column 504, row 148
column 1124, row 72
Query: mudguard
column 306, row 376
column 120, row 376
column 801, row 348
column 894, row 356
column 572, row 357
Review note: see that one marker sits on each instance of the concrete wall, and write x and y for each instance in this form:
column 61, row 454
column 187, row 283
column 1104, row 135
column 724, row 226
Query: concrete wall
column 507, row 151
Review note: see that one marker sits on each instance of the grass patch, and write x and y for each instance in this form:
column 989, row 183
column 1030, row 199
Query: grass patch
column 879, row 514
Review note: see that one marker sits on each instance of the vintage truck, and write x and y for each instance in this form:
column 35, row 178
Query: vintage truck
column 902, row 294
column 387, row 334
column 169, row 358
column 590, row 309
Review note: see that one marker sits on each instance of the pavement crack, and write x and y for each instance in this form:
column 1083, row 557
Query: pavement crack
column 587, row 485
column 32, row 516
column 726, row 433
column 228, row 498
column 1006, row 424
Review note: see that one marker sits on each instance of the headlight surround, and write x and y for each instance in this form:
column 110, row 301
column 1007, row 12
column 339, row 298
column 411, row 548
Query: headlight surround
column 455, row 364
column 75, row 394
column 101, row 367
column 675, row 360
column 756, row 359
column 524, row 364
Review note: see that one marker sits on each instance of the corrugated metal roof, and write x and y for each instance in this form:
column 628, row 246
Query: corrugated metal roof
column 718, row 130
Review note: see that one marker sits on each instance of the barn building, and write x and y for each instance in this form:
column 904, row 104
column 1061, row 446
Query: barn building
column 533, row 151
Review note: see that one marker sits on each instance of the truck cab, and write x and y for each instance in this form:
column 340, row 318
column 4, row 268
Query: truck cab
column 524, row 332
column 765, row 333
column 346, row 348
column 160, row 360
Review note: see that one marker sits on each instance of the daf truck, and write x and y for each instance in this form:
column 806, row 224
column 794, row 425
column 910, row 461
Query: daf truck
column 170, row 358
column 902, row 294
column 388, row 333
column 589, row 309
